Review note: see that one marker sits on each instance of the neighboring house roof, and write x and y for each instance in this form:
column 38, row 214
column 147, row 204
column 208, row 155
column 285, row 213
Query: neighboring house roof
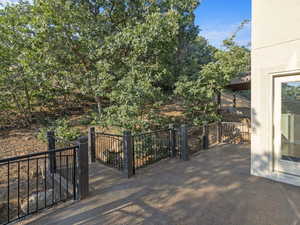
column 240, row 84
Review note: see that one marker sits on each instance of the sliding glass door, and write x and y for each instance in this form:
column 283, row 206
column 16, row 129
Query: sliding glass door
column 287, row 124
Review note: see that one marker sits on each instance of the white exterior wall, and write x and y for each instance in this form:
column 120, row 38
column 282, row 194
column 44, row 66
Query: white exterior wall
column 275, row 52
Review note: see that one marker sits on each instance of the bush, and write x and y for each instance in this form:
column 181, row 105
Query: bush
column 62, row 130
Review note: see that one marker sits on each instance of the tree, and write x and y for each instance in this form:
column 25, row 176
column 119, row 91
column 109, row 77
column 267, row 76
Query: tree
column 17, row 85
column 198, row 92
column 121, row 51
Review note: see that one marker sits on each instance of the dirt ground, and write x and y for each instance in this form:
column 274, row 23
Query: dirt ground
column 213, row 188
column 17, row 142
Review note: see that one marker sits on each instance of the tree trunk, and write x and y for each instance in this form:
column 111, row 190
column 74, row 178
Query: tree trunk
column 99, row 106
column 28, row 102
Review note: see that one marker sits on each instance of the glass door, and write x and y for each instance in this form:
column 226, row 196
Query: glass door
column 287, row 124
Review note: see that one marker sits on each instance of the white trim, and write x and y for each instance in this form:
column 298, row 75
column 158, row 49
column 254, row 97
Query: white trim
column 285, row 73
column 279, row 164
column 280, row 177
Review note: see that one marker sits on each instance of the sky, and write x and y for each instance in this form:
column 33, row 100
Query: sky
column 8, row 1
column 218, row 19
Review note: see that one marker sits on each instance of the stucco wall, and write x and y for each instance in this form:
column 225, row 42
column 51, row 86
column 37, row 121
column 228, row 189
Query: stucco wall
column 275, row 51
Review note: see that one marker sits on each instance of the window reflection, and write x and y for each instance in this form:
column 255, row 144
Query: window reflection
column 290, row 121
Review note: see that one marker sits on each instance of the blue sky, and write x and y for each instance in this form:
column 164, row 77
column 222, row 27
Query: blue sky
column 218, row 19
column 8, row 1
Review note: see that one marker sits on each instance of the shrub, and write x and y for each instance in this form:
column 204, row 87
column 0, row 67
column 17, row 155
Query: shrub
column 62, row 130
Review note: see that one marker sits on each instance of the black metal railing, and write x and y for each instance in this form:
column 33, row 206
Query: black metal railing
column 27, row 185
column 150, row 147
column 143, row 149
column 109, row 149
column 235, row 133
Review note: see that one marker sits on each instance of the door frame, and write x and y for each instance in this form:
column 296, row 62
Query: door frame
column 280, row 165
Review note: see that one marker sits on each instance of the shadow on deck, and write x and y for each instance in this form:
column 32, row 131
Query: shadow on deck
column 214, row 187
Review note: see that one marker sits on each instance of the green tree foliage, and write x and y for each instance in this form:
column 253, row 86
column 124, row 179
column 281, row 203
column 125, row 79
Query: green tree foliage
column 17, row 82
column 122, row 51
column 126, row 56
column 198, row 92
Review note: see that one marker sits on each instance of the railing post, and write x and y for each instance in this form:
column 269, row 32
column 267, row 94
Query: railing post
column 82, row 173
column 128, row 154
column 205, row 136
column 184, row 142
column 92, row 145
column 219, row 132
column 172, row 140
column 51, row 147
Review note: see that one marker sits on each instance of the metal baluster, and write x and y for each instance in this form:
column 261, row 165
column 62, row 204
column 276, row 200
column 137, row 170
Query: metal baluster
column 105, row 146
column 28, row 186
column 96, row 146
column 144, row 151
column 8, row 186
column 113, row 152
column 141, row 145
column 18, row 189
column 74, row 173
column 153, row 142
column 60, row 171
column 101, row 148
column 137, row 157
column 67, row 176
column 45, row 180
column 134, row 154
column 158, row 144
column 37, row 184
column 119, row 154
column 109, row 148
column 53, row 192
